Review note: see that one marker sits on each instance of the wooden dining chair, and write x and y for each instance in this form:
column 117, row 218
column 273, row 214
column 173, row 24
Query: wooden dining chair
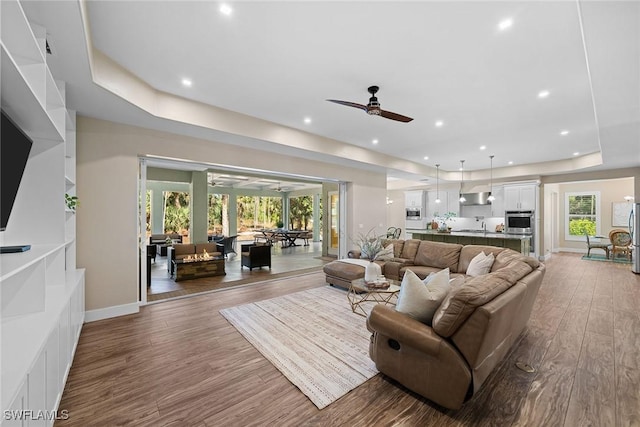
column 620, row 243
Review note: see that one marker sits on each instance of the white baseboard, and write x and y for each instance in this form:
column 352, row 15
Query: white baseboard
column 109, row 312
column 574, row 250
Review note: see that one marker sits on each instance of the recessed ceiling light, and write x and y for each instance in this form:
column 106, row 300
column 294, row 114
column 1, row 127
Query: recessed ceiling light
column 307, row 120
column 510, row 162
column 439, row 123
column 225, row 9
column 483, row 147
column 426, row 157
column 374, row 142
column 505, row 24
column 543, row 94
column 186, row 82
column 564, row 132
column 576, row 153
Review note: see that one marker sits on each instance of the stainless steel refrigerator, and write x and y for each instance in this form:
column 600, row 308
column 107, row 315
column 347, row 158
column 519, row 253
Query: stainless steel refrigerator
column 634, row 229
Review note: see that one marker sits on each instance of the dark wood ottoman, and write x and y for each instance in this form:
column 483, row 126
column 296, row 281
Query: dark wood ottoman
column 342, row 273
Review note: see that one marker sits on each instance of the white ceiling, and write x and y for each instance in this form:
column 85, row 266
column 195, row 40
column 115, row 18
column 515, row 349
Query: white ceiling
column 280, row 61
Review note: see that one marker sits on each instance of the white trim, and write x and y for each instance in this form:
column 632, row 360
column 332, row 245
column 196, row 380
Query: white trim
column 109, row 312
column 573, row 250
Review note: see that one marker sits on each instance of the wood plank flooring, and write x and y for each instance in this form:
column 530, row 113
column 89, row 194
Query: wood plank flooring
column 180, row 363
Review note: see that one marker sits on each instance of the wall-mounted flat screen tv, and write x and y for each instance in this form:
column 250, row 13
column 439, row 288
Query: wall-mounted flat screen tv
column 15, row 146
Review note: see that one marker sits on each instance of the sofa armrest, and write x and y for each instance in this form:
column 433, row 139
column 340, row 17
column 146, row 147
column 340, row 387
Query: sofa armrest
column 354, row 253
column 391, row 269
column 404, row 329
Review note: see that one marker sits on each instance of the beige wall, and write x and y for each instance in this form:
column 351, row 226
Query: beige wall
column 613, row 190
column 107, row 170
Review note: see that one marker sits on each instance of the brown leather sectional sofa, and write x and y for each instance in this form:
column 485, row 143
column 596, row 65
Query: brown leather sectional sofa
column 449, row 360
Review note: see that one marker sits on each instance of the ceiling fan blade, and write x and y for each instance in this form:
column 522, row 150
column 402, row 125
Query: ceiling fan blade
column 395, row 116
column 349, row 104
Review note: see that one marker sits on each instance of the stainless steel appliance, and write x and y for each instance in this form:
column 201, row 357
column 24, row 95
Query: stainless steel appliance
column 519, row 222
column 476, row 199
column 634, row 229
column 414, row 213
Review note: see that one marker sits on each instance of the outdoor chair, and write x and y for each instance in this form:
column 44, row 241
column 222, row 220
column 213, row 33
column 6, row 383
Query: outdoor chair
column 228, row 243
column 620, row 243
column 603, row 246
column 254, row 256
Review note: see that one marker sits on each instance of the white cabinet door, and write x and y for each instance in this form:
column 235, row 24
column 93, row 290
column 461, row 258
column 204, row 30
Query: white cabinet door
column 511, row 198
column 528, row 197
column 519, row 197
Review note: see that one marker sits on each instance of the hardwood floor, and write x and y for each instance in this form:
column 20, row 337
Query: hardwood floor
column 181, row 363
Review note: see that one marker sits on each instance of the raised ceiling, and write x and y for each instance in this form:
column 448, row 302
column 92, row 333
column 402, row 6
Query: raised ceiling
column 443, row 62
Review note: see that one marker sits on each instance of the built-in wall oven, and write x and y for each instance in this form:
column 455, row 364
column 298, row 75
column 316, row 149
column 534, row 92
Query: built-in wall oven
column 414, row 213
column 519, row 222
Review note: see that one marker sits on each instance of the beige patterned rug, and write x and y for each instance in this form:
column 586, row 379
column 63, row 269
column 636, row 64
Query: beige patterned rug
column 312, row 337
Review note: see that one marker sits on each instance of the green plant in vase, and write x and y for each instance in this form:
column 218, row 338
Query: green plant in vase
column 443, row 220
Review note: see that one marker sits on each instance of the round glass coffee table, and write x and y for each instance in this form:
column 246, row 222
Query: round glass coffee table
column 359, row 294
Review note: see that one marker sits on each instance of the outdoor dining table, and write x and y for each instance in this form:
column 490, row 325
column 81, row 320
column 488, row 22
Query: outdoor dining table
column 287, row 237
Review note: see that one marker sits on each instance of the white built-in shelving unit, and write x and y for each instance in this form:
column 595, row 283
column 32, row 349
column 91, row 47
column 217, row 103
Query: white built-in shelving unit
column 41, row 291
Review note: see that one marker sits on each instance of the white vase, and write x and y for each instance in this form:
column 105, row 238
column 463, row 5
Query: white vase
column 371, row 272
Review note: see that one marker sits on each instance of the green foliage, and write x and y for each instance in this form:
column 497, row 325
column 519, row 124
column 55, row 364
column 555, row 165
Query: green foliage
column 71, row 202
column 578, row 226
column 369, row 244
column 258, row 212
column 176, row 212
column 300, row 212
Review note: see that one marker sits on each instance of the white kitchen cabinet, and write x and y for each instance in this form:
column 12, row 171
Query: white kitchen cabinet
column 520, row 197
column 414, row 199
column 497, row 206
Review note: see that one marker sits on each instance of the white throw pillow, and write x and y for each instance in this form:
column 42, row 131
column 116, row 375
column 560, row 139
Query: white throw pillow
column 420, row 299
column 386, row 254
column 480, row 264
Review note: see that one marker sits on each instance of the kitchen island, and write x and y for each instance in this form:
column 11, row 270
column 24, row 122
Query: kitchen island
column 518, row 242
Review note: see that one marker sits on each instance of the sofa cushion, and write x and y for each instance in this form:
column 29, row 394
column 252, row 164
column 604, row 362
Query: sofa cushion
column 480, row 264
column 468, row 252
column 398, row 244
column 508, row 255
column 422, row 271
column 183, row 249
column 476, row 291
column 454, row 286
column 410, row 249
column 438, row 254
column 420, row 299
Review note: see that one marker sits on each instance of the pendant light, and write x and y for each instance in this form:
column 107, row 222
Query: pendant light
column 491, row 198
column 462, row 199
column 437, row 184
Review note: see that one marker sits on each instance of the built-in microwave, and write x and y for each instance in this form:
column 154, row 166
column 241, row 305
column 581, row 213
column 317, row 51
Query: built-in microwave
column 414, row 213
column 519, row 222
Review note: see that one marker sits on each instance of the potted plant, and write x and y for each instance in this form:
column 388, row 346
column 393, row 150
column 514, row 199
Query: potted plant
column 442, row 221
column 370, row 247
column 71, row 202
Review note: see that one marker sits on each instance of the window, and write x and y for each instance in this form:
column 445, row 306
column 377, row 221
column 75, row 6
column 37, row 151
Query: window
column 582, row 214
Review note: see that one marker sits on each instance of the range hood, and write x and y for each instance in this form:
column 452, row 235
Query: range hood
column 475, row 199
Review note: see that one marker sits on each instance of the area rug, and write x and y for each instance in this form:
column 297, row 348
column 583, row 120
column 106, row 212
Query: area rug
column 598, row 257
column 312, row 337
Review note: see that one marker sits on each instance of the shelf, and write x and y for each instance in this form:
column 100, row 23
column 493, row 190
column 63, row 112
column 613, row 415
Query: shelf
column 13, row 264
column 17, row 34
column 23, row 99
column 24, row 337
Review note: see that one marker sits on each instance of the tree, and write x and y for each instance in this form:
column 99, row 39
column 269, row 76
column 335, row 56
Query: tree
column 300, row 211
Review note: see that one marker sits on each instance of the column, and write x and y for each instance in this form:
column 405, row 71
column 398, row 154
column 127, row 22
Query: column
column 198, row 210
column 316, row 217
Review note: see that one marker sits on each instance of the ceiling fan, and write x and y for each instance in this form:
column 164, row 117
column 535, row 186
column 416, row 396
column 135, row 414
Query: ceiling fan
column 373, row 107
